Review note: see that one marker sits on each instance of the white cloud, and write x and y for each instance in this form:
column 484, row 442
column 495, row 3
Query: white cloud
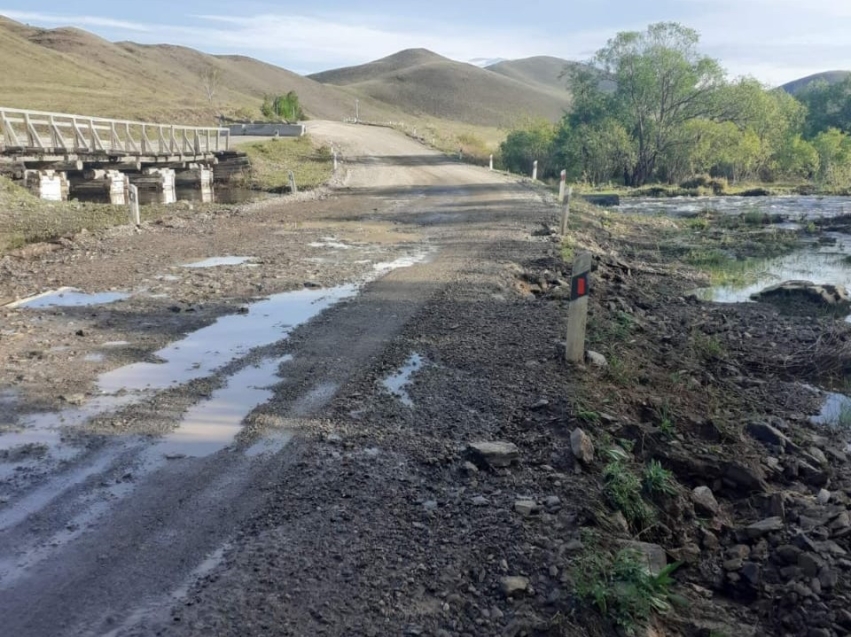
column 72, row 20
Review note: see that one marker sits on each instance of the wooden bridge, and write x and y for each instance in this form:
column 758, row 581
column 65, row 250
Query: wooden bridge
column 56, row 152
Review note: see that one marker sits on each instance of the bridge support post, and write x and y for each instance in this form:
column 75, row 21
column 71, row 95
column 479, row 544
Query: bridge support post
column 198, row 177
column 50, row 185
column 161, row 180
column 116, row 186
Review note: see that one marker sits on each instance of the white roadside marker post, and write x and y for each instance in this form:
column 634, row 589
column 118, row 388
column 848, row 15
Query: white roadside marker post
column 133, row 200
column 535, row 171
column 293, row 187
column 565, row 211
column 561, row 186
column 491, row 163
column 577, row 312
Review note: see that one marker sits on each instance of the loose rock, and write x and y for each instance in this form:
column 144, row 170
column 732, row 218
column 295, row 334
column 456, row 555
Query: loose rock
column 582, row 446
column 494, row 454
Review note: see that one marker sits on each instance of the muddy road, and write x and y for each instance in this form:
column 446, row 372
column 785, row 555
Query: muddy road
column 211, row 387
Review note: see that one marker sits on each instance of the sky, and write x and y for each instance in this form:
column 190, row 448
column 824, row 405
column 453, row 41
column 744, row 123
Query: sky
column 775, row 41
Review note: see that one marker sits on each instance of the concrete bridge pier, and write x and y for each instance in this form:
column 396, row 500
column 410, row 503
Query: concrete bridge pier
column 198, row 177
column 92, row 183
column 162, row 181
column 50, row 185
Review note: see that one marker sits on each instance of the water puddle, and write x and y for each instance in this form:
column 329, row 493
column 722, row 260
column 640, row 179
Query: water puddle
column 816, row 263
column 330, row 242
column 793, row 206
column 93, row 358
column 397, row 382
column 213, row 424
column 203, row 352
column 68, row 297
column 216, row 262
column 835, row 412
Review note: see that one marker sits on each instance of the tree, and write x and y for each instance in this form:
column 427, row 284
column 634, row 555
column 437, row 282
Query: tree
column 286, row 107
column 834, row 151
column 211, row 78
column 661, row 82
column 526, row 145
column 828, row 106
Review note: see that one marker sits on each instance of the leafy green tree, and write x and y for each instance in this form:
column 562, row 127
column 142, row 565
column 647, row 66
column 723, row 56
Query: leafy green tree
column 661, row 82
column 828, row 106
column 286, row 107
column 834, row 151
column 526, row 145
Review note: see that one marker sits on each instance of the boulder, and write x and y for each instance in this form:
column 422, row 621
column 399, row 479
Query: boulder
column 596, row 359
column 764, row 527
column 494, row 454
column 514, row 585
column 704, row 501
column 768, row 435
column 654, row 555
column 582, row 446
column 825, row 295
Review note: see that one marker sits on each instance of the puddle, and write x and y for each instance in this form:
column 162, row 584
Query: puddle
column 93, row 358
column 835, row 412
column 399, row 380
column 814, row 262
column 269, row 444
column 197, row 356
column 330, row 242
column 794, row 206
column 215, row 262
column 68, row 297
column 203, row 352
column 212, row 425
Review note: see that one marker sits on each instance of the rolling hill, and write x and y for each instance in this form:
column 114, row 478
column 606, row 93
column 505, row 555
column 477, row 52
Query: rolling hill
column 420, row 82
column 72, row 70
column 831, row 77
column 542, row 71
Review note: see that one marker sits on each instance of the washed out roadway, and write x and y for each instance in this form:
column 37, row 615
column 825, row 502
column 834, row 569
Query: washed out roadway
column 117, row 538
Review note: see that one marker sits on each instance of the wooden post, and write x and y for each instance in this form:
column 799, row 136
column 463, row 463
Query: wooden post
column 577, row 313
column 133, row 200
column 293, row 187
column 561, row 186
column 565, row 212
column 535, row 171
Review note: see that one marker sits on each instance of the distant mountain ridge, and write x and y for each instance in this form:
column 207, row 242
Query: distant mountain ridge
column 422, row 82
column 831, row 77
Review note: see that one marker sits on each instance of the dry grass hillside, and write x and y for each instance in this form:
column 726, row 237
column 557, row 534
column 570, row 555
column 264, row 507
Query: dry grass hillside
column 542, row 71
column 424, row 83
column 73, row 70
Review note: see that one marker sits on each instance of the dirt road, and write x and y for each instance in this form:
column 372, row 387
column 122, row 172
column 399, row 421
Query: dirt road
column 216, row 451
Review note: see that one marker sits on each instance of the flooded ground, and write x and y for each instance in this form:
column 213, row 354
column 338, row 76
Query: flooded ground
column 793, row 207
column 398, row 382
column 68, row 297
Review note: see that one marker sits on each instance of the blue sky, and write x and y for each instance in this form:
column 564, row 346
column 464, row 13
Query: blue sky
column 773, row 40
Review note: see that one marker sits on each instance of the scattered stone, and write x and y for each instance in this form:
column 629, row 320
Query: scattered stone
column 74, row 399
column 842, row 522
column 823, row 497
column 552, row 502
column 705, row 501
column 469, row 467
column 582, row 446
column 514, row 585
column 480, row 501
column 596, row 359
column 777, row 506
column 734, row 564
column 495, row 454
column 752, row 573
column 818, row 455
column 746, row 477
column 430, row 505
column 810, row 564
column 709, row 540
column 766, row 434
column 769, row 525
column 828, row 577
column 574, row 545
column 526, row 508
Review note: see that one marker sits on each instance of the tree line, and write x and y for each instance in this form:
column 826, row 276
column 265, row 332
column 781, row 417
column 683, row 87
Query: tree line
column 651, row 108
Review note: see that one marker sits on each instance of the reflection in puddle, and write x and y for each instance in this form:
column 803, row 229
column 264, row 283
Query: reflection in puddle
column 795, row 206
column 69, row 297
column 815, row 263
column 398, row 381
column 836, row 411
column 212, row 425
column 330, row 242
column 215, row 262
column 230, row 337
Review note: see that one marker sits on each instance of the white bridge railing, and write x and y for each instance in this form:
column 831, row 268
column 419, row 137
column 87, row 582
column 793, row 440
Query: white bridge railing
column 24, row 131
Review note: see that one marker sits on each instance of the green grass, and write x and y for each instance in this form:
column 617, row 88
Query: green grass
column 622, row 588
column 623, row 487
column 658, row 480
column 272, row 160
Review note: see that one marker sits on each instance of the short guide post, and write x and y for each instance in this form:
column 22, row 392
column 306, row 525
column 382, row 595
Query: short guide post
column 577, row 312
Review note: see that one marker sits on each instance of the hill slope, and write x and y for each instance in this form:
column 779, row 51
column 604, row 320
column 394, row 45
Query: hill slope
column 831, row 77
column 72, row 70
column 423, row 83
column 541, row 70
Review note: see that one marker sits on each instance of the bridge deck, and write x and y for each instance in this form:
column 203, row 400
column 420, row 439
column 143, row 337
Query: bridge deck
column 38, row 134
